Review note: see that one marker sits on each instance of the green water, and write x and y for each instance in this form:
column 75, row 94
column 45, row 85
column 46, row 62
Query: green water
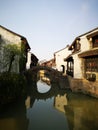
column 47, row 107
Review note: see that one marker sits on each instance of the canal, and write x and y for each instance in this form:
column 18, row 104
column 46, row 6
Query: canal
column 48, row 107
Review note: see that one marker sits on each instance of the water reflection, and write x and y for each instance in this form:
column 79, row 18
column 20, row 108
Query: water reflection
column 81, row 112
column 28, row 102
column 42, row 87
column 77, row 110
column 60, row 101
column 54, row 109
column 13, row 116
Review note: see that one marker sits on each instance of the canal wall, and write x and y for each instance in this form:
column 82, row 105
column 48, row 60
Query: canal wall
column 84, row 86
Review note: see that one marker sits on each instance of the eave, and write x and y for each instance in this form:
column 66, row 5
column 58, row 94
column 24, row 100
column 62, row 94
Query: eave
column 68, row 58
column 89, row 53
column 73, row 43
column 92, row 35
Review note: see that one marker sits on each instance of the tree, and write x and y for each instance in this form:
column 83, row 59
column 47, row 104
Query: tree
column 9, row 52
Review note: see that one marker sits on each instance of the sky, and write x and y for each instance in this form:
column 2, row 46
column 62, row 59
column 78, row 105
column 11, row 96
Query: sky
column 49, row 25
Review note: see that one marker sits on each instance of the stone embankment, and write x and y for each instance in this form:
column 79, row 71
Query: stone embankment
column 63, row 82
column 76, row 85
column 84, row 86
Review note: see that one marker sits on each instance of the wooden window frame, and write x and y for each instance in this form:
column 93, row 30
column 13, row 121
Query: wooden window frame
column 91, row 64
column 95, row 41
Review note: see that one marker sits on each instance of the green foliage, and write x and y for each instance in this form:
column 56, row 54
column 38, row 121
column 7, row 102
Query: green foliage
column 12, row 49
column 12, row 85
column 8, row 54
column 23, row 60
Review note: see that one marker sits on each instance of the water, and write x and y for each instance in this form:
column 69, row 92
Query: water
column 48, row 107
column 44, row 115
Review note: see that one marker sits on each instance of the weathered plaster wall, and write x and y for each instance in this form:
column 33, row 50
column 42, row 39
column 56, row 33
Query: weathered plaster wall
column 28, row 60
column 60, row 55
column 78, row 65
column 10, row 37
column 84, row 86
column 85, row 45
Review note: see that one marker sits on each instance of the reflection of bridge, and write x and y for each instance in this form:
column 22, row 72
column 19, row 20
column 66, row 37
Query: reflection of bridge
column 56, row 87
column 57, row 83
column 34, row 94
column 54, row 91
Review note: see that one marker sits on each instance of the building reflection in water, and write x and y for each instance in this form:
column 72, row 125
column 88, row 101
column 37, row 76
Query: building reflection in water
column 77, row 111
column 60, row 101
column 81, row 112
column 28, row 102
column 13, row 116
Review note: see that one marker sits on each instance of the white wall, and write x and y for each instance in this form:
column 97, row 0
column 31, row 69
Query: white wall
column 10, row 38
column 77, row 67
column 28, row 60
column 85, row 46
column 60, row 55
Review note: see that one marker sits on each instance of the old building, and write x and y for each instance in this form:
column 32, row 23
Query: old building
column 84, row 56
column 59, row 59
column 17, row 62
column 32, row 60
column 49, row 63
column 73, row 61
column 82, row 63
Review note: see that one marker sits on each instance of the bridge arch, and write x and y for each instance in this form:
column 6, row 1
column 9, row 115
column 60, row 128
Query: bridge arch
column 37, row 68
column 54, row 91
column 53, row 74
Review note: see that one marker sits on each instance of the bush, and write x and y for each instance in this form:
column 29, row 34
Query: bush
column 30, row 76
column 12, row 85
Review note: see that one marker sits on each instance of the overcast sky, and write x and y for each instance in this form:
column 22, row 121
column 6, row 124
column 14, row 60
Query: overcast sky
column 49, row 25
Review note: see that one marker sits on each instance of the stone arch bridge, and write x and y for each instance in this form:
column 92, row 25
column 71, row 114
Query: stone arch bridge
column 56, row 78
column 52, row 73
column 49, row 69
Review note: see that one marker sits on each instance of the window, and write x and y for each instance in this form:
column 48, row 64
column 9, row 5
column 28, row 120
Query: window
column 92, row 64
column 95, row 41
column 70, row 66
column 77, row 47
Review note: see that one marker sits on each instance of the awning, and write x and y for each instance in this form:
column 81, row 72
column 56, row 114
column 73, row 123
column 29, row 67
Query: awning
column 93, row 52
